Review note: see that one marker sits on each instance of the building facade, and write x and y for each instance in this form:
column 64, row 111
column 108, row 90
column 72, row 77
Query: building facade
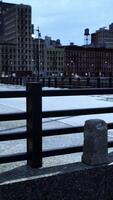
column 17, row 29
column 54, row 61
column 4, row 7
column 23, row 55
column 81, row 61
column 7, row 59
column 103, row 37
column 48, row 57
column 38, row 55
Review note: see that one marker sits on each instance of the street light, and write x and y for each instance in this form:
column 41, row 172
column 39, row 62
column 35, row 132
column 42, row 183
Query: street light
column 71, row 71
column 39, row 36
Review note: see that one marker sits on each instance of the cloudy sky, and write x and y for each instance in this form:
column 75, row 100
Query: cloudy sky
column 67, row 19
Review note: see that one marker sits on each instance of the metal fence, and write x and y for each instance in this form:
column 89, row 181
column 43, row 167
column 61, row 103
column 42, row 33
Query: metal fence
column 62, row 82
column 34, row 114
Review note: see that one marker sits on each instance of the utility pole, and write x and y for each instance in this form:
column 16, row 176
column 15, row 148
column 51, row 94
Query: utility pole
column 39, row 36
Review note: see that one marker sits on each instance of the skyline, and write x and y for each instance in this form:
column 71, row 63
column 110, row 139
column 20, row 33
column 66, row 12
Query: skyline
column 67, row 19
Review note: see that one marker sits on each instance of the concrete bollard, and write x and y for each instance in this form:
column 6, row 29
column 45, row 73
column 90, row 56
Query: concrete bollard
column 95, row 150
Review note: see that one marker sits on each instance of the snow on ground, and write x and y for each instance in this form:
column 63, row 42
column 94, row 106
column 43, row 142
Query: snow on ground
column 76, row 102
column 56, row 103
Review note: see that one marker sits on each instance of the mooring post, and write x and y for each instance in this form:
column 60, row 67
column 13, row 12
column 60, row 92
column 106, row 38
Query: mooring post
column 34, row 124
column 95, row 150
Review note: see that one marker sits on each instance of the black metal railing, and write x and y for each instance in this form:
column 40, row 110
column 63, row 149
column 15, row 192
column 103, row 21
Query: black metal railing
column 33, row 116
column 13, row 135
column 62, row 82
column 74, row 112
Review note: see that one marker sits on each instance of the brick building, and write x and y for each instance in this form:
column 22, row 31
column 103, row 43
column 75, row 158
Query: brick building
column 88, row 61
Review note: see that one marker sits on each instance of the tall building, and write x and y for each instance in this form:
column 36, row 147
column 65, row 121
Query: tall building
column 7, row 59
column 103, row 37
column 16, row 28
column 4, row 7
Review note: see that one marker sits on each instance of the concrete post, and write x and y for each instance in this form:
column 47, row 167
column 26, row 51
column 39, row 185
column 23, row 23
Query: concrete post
column 95, row 150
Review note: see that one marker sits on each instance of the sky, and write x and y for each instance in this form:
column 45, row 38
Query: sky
column 67, row 19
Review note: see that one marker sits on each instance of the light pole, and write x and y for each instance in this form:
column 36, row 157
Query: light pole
column 39, row 36
column 71, row 62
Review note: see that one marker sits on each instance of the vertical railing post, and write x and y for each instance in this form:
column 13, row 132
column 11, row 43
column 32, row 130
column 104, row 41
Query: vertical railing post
column 34, row 124
column 98, row 82
column 70, row 82
column 78, row 82
column 49, row 82
column 110, row 82
column 88, row 81
column 62, row 82
column 43, row 82
column 55, row 82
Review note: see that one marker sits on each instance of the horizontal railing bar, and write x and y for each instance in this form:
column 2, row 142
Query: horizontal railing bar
column 68, row 130
column 110, row 125
column 46, row 153
column 67, row 150
column 75, row 92
column 13, row 136
column 13, row 116
column 76, row 112
column 110, row 144
column 50, row 132
column 13, row 157
column 62, row 131
column 12, row 94
column 62, row 151
column 61, row 92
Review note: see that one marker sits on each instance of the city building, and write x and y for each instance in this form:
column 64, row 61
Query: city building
column 38, row 55
column 16, row 28
column 81, row 61
column 49, row 43
column 7, row 59
column 54, row 61
column 4, row 7
column 48, row 57
column 103, row 37
column 23, row 55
